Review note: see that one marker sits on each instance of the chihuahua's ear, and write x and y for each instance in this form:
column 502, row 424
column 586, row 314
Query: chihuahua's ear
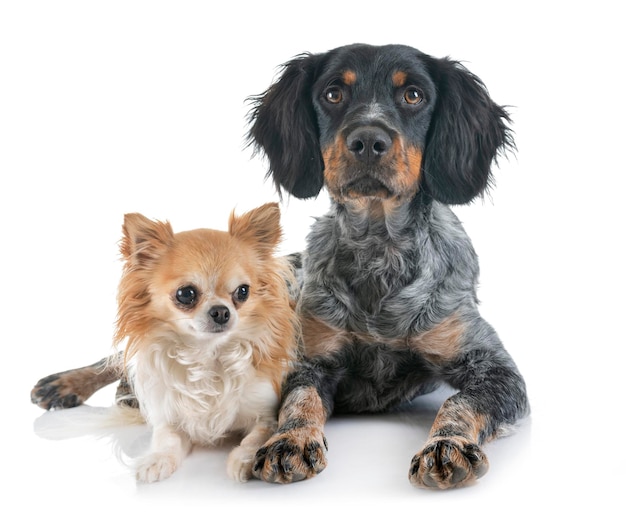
column 259, row 227
column 144, row 240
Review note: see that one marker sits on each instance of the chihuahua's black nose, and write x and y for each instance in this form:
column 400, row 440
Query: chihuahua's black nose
column 368, row 143
column 219, row 314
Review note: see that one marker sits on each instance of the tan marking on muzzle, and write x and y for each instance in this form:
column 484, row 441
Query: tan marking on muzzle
column 334, row 156
column 408, row 167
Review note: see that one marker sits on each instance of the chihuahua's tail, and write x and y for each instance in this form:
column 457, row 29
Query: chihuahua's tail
column 86, row 421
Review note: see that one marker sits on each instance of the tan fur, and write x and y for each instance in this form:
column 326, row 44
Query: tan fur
column 321, row 339
column 165, row 256
column 466, row 462
column 408, row 170
column 304, row 406
column 272, row 355
column 334, row 165
column 404, row 164
column 349, row 77
column 399, row 78
column 441, row 343
column 197, row 380
column 78, row 384
column 458, row 416
column 306, row 403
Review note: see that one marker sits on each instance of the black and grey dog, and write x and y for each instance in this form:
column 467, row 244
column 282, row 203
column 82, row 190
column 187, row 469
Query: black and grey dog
column 388, row 302
column 388, row 296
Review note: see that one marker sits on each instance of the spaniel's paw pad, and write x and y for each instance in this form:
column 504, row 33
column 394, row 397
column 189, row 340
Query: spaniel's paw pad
column 291, row 456
column 448, row 463
column 53, row 392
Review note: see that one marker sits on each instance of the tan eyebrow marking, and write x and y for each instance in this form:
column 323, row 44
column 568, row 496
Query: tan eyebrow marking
column 399, row 78
column 349, row 77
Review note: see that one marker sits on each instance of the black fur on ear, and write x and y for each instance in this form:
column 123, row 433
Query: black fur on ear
column 283, row 126
column 467, row 132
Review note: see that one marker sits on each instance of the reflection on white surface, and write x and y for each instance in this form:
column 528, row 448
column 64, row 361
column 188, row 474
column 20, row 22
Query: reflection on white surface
column 368, row 457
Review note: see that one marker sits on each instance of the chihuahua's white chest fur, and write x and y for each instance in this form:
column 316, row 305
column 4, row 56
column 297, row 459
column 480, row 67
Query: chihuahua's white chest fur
column 199, row 395
column 207, row 392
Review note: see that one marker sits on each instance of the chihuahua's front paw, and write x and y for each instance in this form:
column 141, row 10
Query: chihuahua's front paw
column 446, row 463
column 239, row 464
column 291, row 456
column 157, row 467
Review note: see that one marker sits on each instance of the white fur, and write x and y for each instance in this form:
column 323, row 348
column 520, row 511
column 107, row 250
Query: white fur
column 199, row 393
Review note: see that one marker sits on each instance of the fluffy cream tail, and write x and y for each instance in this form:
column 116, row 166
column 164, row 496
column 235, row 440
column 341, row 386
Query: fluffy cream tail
column 85, row 420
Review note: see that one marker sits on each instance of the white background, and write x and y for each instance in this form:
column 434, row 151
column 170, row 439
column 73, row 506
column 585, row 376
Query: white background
column 119, row 106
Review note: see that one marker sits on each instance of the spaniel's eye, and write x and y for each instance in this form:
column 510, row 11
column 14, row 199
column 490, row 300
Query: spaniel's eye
column 187, row 295
column 412, row 95
column 334, row 95
column 241, row 294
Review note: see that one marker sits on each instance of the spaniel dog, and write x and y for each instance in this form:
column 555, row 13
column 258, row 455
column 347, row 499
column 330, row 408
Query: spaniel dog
column 388, row 304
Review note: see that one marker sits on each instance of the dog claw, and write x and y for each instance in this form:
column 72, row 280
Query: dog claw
column 290, row 457
column 448, row 463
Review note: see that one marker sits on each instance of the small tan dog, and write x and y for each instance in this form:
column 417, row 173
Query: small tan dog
column 210, row 332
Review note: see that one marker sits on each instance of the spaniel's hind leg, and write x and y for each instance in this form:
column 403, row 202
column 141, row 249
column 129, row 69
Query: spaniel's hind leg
column 73, row 387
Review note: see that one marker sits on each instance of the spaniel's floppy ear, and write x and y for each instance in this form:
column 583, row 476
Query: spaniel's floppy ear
column 284, row 128
column 466, row 133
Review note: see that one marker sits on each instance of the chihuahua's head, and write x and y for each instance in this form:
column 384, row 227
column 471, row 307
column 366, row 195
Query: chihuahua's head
column 201, row 286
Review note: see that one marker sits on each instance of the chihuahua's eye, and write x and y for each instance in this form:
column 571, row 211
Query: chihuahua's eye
column 187, row 295
column 413, row 95
column 241, row 293
column 333, row 94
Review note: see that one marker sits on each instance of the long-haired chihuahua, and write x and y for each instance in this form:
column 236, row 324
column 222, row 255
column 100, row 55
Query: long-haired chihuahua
column 209, row 331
